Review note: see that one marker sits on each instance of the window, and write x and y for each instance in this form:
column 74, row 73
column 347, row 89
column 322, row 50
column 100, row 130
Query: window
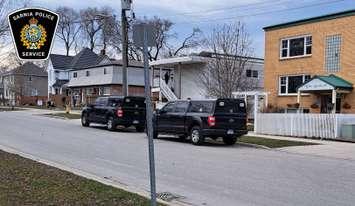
column 201, row 106
column 288, row 84
column 75, row 75
column 181, row 107
column 252, row 73
column 105, row 71
column 87, row 73
column 30, row 78
column 114, row 102
column 332, row 53
column 296, row 47
column 169, row 107
column 255, row 74
column 101, row 102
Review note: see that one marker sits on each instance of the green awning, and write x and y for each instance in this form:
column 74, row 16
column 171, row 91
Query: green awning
column 319, row 83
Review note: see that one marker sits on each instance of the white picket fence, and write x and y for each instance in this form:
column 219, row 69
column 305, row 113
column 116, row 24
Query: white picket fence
column 325, row 126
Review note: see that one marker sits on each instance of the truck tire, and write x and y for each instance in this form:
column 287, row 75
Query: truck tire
column 196, row 137
column 229, row 140
column 84, row 120
column 110, row 124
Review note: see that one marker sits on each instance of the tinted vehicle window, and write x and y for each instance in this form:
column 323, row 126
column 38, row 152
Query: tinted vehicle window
column 181, row 107
column 134, row 102
column 169, row 107
column 114, row 102
column 201, row 106
column 101, row 102
column 230, row 106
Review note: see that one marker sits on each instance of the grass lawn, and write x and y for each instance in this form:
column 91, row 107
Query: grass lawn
column 65, row 115
column 272, row 143
column 26, row 182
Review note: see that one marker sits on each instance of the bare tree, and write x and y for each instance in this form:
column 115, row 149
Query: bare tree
column 231, row 52
column 68, row 26
column 109, row 30
column 91, row 25
column 162, row 38
column 191, row 41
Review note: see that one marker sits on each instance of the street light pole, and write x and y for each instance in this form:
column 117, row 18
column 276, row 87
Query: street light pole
column 124, row 25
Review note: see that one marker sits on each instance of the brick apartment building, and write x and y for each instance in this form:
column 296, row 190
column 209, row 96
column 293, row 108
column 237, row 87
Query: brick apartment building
column 309, row 64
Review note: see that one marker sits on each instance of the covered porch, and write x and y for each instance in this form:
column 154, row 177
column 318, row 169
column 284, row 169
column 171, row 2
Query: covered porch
column 330, row 90
column 182, row 72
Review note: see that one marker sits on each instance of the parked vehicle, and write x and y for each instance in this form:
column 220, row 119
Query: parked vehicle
column 116, row 111
column 224, row 118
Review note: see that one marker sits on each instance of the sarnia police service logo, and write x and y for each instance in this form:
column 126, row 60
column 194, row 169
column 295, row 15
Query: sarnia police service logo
column 33, row 36
column 33, row 31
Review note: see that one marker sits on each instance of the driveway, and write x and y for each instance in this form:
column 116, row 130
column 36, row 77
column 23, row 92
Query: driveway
column 209, row 175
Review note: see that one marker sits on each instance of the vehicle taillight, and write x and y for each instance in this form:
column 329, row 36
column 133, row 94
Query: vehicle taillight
column 211, row 121
column 119, row 112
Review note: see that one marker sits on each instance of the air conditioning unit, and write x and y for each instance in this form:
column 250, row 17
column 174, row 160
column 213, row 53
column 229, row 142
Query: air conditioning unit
column 348, row 132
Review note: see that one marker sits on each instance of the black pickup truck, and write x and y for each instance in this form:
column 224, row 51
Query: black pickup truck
column 116, row 111
column 197, row 120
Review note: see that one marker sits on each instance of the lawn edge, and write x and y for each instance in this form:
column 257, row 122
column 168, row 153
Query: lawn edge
column 258, row 146
column 86, row 175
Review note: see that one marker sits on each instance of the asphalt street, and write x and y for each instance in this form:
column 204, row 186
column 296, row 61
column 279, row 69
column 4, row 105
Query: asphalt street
column 214, row 174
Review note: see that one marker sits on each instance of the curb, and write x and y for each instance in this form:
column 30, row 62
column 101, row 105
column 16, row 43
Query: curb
column 254, row 146
column 87, row 175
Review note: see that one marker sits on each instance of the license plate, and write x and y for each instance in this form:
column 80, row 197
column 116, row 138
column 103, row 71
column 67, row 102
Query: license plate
column 230, row 131
column 135, row 122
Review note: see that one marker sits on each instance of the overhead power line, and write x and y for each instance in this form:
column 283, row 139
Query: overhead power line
column 261, row 13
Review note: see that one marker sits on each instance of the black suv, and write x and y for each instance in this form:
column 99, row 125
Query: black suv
column 224, row 118
column 116, row 111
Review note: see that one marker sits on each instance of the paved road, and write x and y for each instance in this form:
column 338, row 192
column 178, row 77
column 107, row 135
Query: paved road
column 209, row 175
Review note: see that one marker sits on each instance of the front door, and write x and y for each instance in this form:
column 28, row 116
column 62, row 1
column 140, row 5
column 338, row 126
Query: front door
column 327, row 106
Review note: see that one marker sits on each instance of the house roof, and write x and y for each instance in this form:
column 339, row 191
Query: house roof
column 311, row 20
column 61, row 62
column 335, row 81
column 85, row 58
column 60, row 83
column 179, row 60
column 331, row 82
column 29, row 69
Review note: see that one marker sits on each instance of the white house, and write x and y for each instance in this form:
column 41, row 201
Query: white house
column 80, row 79
column 185, row 72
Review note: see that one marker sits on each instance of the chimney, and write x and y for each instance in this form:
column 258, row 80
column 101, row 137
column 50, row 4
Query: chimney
column 103, row 52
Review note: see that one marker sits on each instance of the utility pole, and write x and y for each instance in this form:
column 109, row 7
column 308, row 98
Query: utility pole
column 126, row 5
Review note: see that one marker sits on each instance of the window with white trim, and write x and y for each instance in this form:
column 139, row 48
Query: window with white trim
column 288, row 84
column 296, row 47
column 75, row 75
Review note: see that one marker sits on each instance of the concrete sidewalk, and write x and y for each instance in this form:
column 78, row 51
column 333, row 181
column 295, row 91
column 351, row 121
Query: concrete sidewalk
column 326, row 148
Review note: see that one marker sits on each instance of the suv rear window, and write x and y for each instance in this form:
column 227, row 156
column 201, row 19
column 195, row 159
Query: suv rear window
column 114, row 102
column 230, row 106
column 201, row 106
column 135, row 102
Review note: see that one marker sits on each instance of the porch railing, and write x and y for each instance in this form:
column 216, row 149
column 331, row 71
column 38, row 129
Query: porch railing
column 166, row 91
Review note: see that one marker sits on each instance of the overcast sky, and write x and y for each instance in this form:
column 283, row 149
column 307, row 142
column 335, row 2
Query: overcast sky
column 206, row 14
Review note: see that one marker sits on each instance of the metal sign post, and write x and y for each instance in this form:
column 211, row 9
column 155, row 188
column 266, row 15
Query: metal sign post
column 143, row 36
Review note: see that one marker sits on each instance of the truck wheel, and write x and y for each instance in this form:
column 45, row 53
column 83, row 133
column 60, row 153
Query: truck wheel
column 196, row 136
column 110, row 124
column 229, row 140
column 84, row 120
